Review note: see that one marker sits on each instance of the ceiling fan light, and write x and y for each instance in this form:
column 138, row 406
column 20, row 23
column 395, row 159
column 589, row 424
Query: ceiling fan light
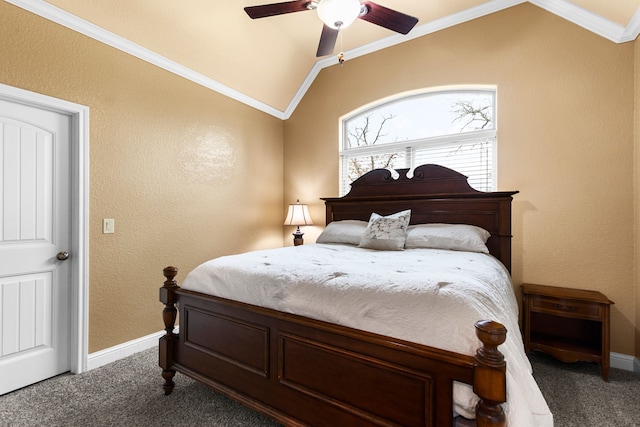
column 338, row 14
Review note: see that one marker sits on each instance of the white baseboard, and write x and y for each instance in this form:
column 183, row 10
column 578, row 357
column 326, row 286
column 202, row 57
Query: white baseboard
column 625, row 361
column 120, row 351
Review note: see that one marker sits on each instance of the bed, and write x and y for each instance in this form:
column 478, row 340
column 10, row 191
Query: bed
column 303, row 363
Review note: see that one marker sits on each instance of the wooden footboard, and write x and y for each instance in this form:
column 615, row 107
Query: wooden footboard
column 301, row 371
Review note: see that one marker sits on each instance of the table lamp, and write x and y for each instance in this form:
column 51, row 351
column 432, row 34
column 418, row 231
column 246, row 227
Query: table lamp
column 298, row 215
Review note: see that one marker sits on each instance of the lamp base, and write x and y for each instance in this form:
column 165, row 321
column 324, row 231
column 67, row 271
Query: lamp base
column 297, row 237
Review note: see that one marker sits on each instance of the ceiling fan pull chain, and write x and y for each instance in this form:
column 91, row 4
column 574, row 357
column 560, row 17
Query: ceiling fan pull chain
column 341, row 54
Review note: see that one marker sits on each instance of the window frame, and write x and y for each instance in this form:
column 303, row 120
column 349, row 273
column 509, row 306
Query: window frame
column 411, row 146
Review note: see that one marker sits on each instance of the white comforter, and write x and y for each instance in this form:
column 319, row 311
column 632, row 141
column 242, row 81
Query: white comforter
column 428, row 296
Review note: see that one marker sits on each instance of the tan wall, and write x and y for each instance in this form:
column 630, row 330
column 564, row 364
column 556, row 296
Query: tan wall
column 637, row 191
column 565, row 140
column 187, row 174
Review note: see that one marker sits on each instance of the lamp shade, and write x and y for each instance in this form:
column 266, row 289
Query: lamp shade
column 298, row 214
column 338, row 14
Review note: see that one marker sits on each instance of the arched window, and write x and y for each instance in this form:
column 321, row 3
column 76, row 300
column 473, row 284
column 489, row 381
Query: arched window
column 452, row 128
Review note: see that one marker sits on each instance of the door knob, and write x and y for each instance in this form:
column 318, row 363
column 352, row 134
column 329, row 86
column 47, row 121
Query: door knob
column 62, row 256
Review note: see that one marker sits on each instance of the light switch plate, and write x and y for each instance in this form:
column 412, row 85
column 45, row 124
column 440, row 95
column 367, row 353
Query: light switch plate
column 108, row 226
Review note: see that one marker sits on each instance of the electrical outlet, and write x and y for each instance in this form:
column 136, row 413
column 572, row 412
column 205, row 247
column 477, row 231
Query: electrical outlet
column 108, row 226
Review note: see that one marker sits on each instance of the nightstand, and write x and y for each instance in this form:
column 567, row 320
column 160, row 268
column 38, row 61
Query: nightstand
column 570, row 324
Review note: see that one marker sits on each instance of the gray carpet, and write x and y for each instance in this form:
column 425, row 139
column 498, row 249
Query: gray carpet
column 578, row 396
column 124, row 393
column 129, row 393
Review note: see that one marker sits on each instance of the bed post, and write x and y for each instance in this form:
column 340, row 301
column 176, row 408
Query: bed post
column 490, row 381
column 169, row 314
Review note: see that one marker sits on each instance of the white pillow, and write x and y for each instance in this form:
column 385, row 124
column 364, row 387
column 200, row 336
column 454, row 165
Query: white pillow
column 457, row 237
column 349, row 231
column 386, row 232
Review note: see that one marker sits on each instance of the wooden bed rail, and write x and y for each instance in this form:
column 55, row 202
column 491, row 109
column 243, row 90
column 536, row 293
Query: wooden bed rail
column 487, row 368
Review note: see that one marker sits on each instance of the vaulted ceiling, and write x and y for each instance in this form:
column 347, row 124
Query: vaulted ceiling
column 269, row 63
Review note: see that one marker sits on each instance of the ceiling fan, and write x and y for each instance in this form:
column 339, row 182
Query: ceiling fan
column 336, row 15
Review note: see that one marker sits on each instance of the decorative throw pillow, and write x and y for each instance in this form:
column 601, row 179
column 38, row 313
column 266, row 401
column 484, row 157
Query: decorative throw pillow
column 386, row 232
column 457, row 237
column 349, row 231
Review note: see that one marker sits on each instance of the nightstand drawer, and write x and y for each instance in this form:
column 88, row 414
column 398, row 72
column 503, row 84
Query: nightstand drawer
column 569, row 308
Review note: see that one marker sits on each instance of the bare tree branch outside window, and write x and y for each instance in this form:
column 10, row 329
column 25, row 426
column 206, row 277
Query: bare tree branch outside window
column 364, row 136
column 469, row 114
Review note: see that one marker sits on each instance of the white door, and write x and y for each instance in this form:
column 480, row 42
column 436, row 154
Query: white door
column 35, row 233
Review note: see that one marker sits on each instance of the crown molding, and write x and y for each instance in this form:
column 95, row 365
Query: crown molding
column 584, row 18
column 632, row 30
column 563, row 8
column 79, row 25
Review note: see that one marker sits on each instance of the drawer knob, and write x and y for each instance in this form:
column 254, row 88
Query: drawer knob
column 565, row 307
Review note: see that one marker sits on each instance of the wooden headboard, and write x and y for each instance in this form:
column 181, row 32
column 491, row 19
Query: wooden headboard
column 434, row 194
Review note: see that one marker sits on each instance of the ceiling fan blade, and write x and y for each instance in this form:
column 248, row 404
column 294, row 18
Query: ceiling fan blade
column 327, row 41
column 388, row 18
column 265, row 10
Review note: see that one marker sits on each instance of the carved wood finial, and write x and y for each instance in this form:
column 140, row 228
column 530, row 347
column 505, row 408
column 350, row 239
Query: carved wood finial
column 167, row 297
column 492, row 334
column 170, row 273
column 490, row 383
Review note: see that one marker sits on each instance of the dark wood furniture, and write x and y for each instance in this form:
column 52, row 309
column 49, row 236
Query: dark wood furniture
column 302, row 371
column 570, row 324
